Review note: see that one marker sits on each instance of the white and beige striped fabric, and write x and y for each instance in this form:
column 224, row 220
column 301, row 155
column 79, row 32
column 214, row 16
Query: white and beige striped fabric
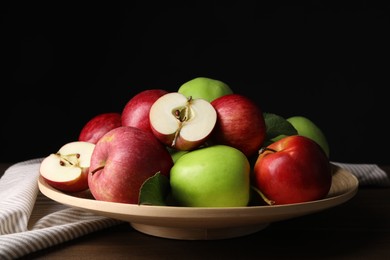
column 19, row 190
column 367, row 174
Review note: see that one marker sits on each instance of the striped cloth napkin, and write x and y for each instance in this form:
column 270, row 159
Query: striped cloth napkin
column 367, row 174
column 19, row 190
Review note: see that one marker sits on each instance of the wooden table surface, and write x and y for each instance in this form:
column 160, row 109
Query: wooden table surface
column 357, row 229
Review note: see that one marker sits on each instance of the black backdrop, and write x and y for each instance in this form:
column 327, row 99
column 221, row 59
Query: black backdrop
column 63, row 63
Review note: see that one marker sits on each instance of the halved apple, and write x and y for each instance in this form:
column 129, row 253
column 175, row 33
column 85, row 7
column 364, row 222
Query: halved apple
column 180, row 122
column 67, row 170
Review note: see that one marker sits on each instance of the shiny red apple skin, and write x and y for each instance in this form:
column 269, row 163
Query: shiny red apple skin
column 98, row 125
column 294, row 169
column 240, row 123
column 122, row 161
column 136, row 111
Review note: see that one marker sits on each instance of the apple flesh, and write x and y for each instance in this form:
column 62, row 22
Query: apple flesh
column 182, row 123
column 123, row 159
column 98, row 125
column 136, row 111
column 213, row 176
column 240, row 123
column 206, row 88
column 293, row 169
column 67, row 170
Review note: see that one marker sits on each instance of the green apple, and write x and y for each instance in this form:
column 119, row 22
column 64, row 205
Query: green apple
column 308, row 128
column 206, row 88
column 177, row 154
column 213, row 176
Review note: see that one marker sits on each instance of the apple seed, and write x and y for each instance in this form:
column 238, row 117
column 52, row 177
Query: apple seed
column 69, row 159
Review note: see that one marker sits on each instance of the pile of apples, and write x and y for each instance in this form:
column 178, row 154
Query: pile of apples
column 201, row 146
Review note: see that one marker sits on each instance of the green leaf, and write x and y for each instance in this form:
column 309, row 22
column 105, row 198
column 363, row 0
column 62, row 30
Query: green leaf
column 154, row 190
column 277, row 126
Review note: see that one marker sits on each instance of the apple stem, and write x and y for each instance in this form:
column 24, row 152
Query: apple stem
column 183, row 115
column 268, row 201
column 176, row 135
column 263, row 149
column 97, row 169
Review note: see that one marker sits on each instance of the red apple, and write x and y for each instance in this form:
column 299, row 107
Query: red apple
column 123, row 159
column 182, row 123
column 67, row 169
column 240, row 123
column 293, row 169
column 97, row 126
column 136, row 111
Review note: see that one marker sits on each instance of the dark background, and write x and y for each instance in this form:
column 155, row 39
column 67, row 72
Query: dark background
column 63, row 63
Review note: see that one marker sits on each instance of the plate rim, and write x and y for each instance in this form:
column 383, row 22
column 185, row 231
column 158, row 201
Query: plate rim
column 147, row 213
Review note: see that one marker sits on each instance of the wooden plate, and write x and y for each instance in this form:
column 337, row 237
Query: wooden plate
column 188, row 223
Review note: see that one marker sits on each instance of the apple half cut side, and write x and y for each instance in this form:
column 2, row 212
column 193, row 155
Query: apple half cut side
column 180, row 122
column 67, row 170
